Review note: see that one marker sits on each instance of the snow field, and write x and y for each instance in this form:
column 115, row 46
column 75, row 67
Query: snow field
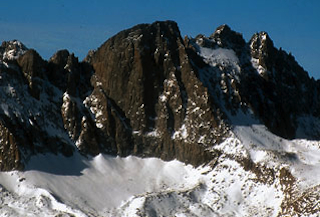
column 131, row 186
column 94, row 186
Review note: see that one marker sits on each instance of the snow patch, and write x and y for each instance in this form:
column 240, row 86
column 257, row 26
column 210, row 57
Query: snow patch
column 95, row 185
column 182, row 133
column 14, row 50
column 220, row 56
column 260, row 69
column 5, row 109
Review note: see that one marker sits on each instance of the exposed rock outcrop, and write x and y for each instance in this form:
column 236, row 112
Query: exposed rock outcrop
column 153, row 95
column 148, row 92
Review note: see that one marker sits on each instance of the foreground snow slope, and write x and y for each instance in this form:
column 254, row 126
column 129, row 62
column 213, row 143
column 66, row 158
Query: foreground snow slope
column 88, row 186
column 113, row 186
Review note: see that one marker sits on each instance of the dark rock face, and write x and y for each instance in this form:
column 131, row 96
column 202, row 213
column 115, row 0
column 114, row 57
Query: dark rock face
column 150, row 89
column 225, row 37
column 148, row 92
column 32, row 66
column 283, row 83
column 268, row 81
column 9, row 152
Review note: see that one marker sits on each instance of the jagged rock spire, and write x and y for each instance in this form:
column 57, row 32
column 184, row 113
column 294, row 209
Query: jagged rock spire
column 226, row 37
column 10, row 50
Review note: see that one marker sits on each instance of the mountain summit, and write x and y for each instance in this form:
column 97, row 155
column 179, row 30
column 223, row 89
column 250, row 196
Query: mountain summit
column 148, row 92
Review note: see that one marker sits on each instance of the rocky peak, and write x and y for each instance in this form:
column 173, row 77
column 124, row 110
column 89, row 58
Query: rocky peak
column 147, row 84
column 60, row 58
column 275, row 65
column 262, row 49
column 10, row 50
column 225, row 37
column 249, row 74
column 202, row 41
column 282, row 81
column 261, row 42
column 60, row 67
column 148, row 92
column 89, row 56
column 144, row 54
column 32, row 67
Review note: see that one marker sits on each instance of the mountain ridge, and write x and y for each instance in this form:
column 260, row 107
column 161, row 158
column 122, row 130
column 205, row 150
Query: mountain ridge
column 215, row 101
column 142, row 89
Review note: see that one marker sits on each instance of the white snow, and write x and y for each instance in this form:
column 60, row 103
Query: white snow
column 163, row 98
column 256, row 64
column 54, row 185
column 263, row 36
column 5, row 109
column 182, row 133
column 131, row 186
column 154, row 133
column 301, row 156
column 220, row 56
column 94, row 185
column 17, row 50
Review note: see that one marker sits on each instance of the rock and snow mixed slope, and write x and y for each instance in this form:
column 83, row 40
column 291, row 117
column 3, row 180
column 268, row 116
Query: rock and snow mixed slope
column 241, row 116
column 250, row 178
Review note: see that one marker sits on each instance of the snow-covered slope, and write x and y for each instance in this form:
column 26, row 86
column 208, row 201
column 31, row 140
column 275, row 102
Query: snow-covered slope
column 131, row 186
column 55, row 184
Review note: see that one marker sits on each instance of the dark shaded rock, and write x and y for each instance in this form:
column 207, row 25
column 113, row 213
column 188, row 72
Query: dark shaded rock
column 283, row 84
column 71, row 116
column 68, row 74
column 56, row 72
column 145, row 71
column 10, row 156
column 262, row 48
column 225, row 37
column 268, row 81
column 76, row 87
column 32, row 66
column 148, row 92
column 88, row 141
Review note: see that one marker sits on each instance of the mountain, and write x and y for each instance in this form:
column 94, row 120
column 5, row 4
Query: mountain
column 245, row 115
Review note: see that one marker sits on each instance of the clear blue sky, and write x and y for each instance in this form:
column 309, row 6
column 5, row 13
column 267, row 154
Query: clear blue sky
column 82, row 25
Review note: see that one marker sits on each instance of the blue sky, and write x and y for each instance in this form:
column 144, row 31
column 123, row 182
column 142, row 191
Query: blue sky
column 82, row 25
